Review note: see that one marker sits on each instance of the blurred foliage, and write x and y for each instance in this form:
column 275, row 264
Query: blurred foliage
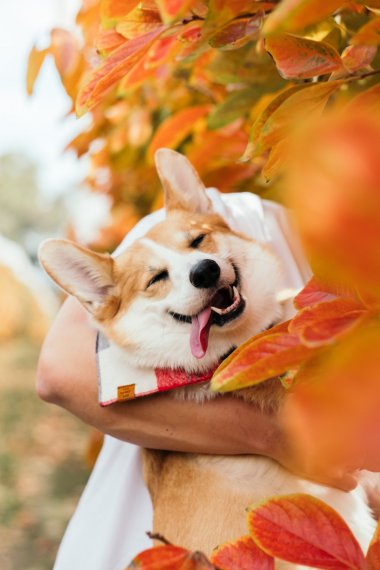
column 279, row 98
column 25, row 213
column 214, row 79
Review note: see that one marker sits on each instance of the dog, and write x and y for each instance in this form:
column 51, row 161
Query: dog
column 184, row 296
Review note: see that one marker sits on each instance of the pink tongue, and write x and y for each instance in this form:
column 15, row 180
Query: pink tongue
column 200, row 328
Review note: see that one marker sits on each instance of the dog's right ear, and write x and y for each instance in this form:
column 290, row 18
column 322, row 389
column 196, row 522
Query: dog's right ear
column 182, row 186
column 80, row 272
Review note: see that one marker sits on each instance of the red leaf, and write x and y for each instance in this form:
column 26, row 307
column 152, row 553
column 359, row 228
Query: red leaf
column 242, row 554
column 317, row 292
column 301, row 58
column 294, row 15
column 303, row 530
column 236, row 33
column 373, row 554
column 261, row 358
column 175, row 128
column 170, row 557
column 323, row 323
column 112, row 69
column 357, row 57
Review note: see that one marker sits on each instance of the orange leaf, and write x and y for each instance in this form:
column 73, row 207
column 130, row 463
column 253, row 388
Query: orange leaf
column 242, row 554
column 139, row 22
column 366, row 101
column 111, row 11
column 35, row 61
column 369, row 34
column 175, row 128
column 335, row 400
column 266, row 357
column 276, row 160
column 170, row 557
column 173, row 9
column 108, row 40
column 294, row 15
column 222, row 11
column 303, row 530
column 287, row 111
column 338, row 160
column 302, row 58
column 323, row 323
column 112, row 69
column 373, row 554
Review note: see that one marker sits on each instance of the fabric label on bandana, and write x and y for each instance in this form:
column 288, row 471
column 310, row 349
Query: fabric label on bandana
column 119, row 381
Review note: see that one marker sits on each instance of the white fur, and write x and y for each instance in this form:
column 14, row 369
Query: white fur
column 159, row 340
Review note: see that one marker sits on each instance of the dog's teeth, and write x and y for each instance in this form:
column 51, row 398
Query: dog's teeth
column 236, row 293
column 217, row 310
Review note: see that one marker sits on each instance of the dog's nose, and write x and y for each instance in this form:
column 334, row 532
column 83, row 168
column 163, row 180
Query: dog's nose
column 205, row 274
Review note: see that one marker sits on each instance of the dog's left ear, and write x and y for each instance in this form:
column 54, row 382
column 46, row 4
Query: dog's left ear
column 182, row 186
column 86, row 275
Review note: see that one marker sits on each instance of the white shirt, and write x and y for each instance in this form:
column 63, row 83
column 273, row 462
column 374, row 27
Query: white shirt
column 109, row 525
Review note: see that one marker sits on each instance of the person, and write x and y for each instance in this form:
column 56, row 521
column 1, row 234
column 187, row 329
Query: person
column 114, row 512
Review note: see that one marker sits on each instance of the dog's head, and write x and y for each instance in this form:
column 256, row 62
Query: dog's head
column 183, row 295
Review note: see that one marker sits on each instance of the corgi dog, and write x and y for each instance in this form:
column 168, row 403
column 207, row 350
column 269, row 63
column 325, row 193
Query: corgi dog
column 184, row 296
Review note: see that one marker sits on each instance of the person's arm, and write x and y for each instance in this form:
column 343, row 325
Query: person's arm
column 67, row 376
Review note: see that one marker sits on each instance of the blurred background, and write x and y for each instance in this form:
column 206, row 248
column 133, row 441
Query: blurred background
column 43, row 450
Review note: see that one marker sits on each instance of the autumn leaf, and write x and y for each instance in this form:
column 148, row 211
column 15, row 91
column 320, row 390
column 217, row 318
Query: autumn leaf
column 369, row 34
column 111, row 11
column 168, row 557
column 357, row 57
column 334, row 402
column 264, row 357
column 172, row 10
column 176, row 127
column 301, row 58
column 235, row 105
column 112, row 69
column 139, row 22
column 294, row 15
column 236, row 33
column 242, row 554
column 324, row 323
column 107, row 41
column 316, row 291
column 303, row 530
column 373, row 554
column 35, row 61
column 287, row 111
column 365, row 102
column 339, row 216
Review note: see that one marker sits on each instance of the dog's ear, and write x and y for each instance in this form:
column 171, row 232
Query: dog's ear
column 80, row 272
column 182, row 186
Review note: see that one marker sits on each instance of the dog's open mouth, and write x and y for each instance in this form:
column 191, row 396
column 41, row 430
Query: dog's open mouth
column 227, row 304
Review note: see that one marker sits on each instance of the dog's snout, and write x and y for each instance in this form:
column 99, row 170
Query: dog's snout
column 205, row 274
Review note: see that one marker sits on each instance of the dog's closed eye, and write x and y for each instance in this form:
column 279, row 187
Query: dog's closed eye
column 161, row 276
column 197, row 241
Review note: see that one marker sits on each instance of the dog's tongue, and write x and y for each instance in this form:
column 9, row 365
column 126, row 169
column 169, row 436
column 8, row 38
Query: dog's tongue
column 200, row 328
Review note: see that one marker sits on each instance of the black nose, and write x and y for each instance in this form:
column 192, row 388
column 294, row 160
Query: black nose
column 205, row 274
